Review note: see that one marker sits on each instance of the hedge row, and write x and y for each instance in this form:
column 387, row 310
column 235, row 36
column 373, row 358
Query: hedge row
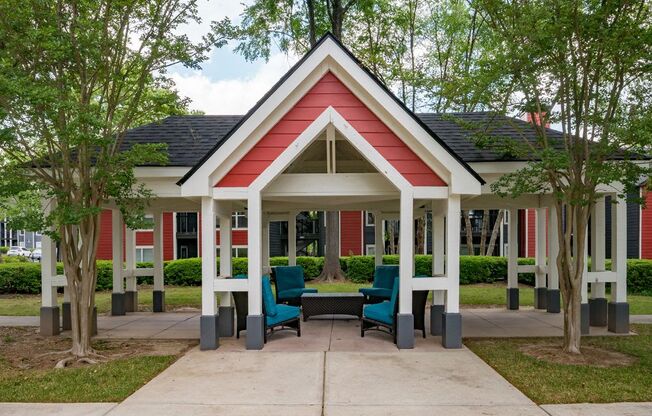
column 26, row 277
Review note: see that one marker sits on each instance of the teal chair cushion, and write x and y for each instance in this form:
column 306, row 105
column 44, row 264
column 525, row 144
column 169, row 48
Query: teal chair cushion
column 381, row 312
column 271, row 309
column 376, row 292
column 289, row 277
column 394, row 298
column 240, row 276
column 295, row 293
column 283, row 313
column 384, row 276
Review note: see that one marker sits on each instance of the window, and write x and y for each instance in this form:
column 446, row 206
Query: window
column 370, row 250
column 239, row 220
column 506, row 217
column 144, row 254
column 370, row 221
column 148, row 223
column 239, row 251
column 186, row 222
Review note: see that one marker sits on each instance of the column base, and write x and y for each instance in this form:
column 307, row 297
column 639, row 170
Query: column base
column 540, row 297
column 404, row 331
column 618, row 317
column 584, row 319
column 512, row 298
column 66, row 317
column 117, row 304
column 255, row 338
column 226, row 315
column 553, row 301
column 451, row 336
column 158, row 304
column 598, row 312
column 208, row 332
column 436, row 314
column 131, row 301
column 49, row 321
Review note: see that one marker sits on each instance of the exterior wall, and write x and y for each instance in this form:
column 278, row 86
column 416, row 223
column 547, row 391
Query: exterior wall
column 531, row 232
column 330, row 91
column 646, row 228
column 351, row 239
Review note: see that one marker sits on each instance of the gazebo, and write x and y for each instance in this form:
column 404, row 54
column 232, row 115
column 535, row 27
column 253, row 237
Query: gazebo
column 329, row 136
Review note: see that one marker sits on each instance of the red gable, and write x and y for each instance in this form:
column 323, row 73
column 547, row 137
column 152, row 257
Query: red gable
column 330, row 91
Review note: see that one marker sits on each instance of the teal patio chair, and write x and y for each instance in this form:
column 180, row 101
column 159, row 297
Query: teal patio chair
column 278, row 315
column 381, row 316
column 381, row 290
column 290, row 284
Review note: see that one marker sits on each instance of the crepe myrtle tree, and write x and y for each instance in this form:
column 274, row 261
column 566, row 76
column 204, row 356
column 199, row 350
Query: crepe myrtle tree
column 586, row 67
column 74, row 76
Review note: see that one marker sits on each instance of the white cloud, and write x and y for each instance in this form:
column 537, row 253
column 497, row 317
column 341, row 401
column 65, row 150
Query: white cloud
column 231, row 95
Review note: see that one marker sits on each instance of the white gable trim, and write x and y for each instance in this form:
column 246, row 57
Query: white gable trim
column 327, row 56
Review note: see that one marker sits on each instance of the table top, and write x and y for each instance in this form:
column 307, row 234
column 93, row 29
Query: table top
column 333, row 295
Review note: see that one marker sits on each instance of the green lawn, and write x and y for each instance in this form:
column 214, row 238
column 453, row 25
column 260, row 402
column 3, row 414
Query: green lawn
column 107, row 382
column 176, row 297
column 546, row 382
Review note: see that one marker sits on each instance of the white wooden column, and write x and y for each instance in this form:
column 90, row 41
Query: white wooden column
column 619, row 249
column 598, row 256
column 292, row 238
column 130, row 260
column 208, row 257
column 406, row 253
column 158, row 251
column 512, row 255
column 453, row 219
column 117, row 231
column 379, row 238
column 48, row 271
column 254, row 235
column 540, row 290
column 553, row 300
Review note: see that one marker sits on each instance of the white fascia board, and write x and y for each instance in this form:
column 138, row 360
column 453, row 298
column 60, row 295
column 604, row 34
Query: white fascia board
column 484, row 168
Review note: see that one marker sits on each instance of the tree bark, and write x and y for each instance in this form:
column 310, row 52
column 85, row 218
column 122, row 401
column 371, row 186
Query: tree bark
column 312, row 30
column 485, row 230
column 420, row 235
column 469, row 233
column 494, row 233
column 332, row 270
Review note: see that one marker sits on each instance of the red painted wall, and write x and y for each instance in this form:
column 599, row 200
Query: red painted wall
column 531, row 232
column 105, row 247
column 144, row 238
column 168, row 236
column 646, row 227
column 350, row 233
column 329, row 91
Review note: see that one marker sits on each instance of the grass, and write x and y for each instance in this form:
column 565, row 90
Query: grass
column 108, row 382
column 175, row 297
column 546, row 382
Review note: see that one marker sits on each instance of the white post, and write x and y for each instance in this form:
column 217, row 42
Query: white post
column 49, row 313
column 619, row 249
column 453, row 254
column 553, row 300
column 131, row 293
column 254, row 234
column 405, row 319
column 208, row 257
column 438, row 239
column 540, row 291
column 512, row 261
column 226, row 310
column 379, row 238
column 598, row 301
column 118, row 296
column 159, row 287
column 292, row 238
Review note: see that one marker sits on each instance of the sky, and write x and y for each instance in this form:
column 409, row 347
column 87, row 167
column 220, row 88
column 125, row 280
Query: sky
column 227, row 83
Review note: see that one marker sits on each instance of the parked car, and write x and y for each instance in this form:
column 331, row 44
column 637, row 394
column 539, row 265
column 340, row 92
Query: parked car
column 18, row 251
column 35, row 256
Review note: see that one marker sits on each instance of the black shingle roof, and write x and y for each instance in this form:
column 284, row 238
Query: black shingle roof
column 189, row 138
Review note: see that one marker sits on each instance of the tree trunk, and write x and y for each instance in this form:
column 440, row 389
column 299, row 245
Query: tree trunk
column 311, row 22
column 391, row 227
column 469, row 233
column 494, row 233
column 332, row 270
column 485, row 230
column 420, row 236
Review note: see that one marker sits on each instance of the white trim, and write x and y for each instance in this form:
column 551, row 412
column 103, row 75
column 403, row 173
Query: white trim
column 367, row 247
column 231, row 285
column 430, row 283
column 431, row 192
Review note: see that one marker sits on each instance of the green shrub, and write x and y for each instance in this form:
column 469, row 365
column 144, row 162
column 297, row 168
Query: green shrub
column 360, row 269
column 20, row 278
column 4, row 249
column 183, row 272
column 639, row 277
column 14, row 259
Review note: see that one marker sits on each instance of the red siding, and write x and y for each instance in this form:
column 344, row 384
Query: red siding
column 329, row 91
column 168, row 236
column 531, row 232
column 105, row 247
column 350, row 233
column 238, row 237
column 646, row 227
column 144, row 238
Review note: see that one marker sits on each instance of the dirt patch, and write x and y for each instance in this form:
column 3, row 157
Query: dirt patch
column 591, row 356
column 23, row 348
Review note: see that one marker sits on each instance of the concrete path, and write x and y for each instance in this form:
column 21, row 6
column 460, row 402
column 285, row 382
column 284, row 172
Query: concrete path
column 55, row 409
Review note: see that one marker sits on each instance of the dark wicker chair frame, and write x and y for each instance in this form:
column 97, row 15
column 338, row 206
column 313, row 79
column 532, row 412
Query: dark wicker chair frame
column 419, row 299
column 241, row 300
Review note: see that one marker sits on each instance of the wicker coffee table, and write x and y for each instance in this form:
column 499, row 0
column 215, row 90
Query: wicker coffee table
column 332, row 304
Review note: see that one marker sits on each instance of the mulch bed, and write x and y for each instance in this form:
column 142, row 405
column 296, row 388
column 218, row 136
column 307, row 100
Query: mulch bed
column 23, row 348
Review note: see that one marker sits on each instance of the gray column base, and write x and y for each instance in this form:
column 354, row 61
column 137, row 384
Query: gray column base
column 255, row 338
column 584, row 319
column 404, row 331
column 553, row 301
column 49, row 321
column 598, row 312
column 208, row 332
column 226, row 316
column 512, row 298
column 540, row 297
column 451, row 336
column 158, row 304
column 436, row 316
column 618, row 317
column 117, row 304
column 66, row 317
column 131, row 301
